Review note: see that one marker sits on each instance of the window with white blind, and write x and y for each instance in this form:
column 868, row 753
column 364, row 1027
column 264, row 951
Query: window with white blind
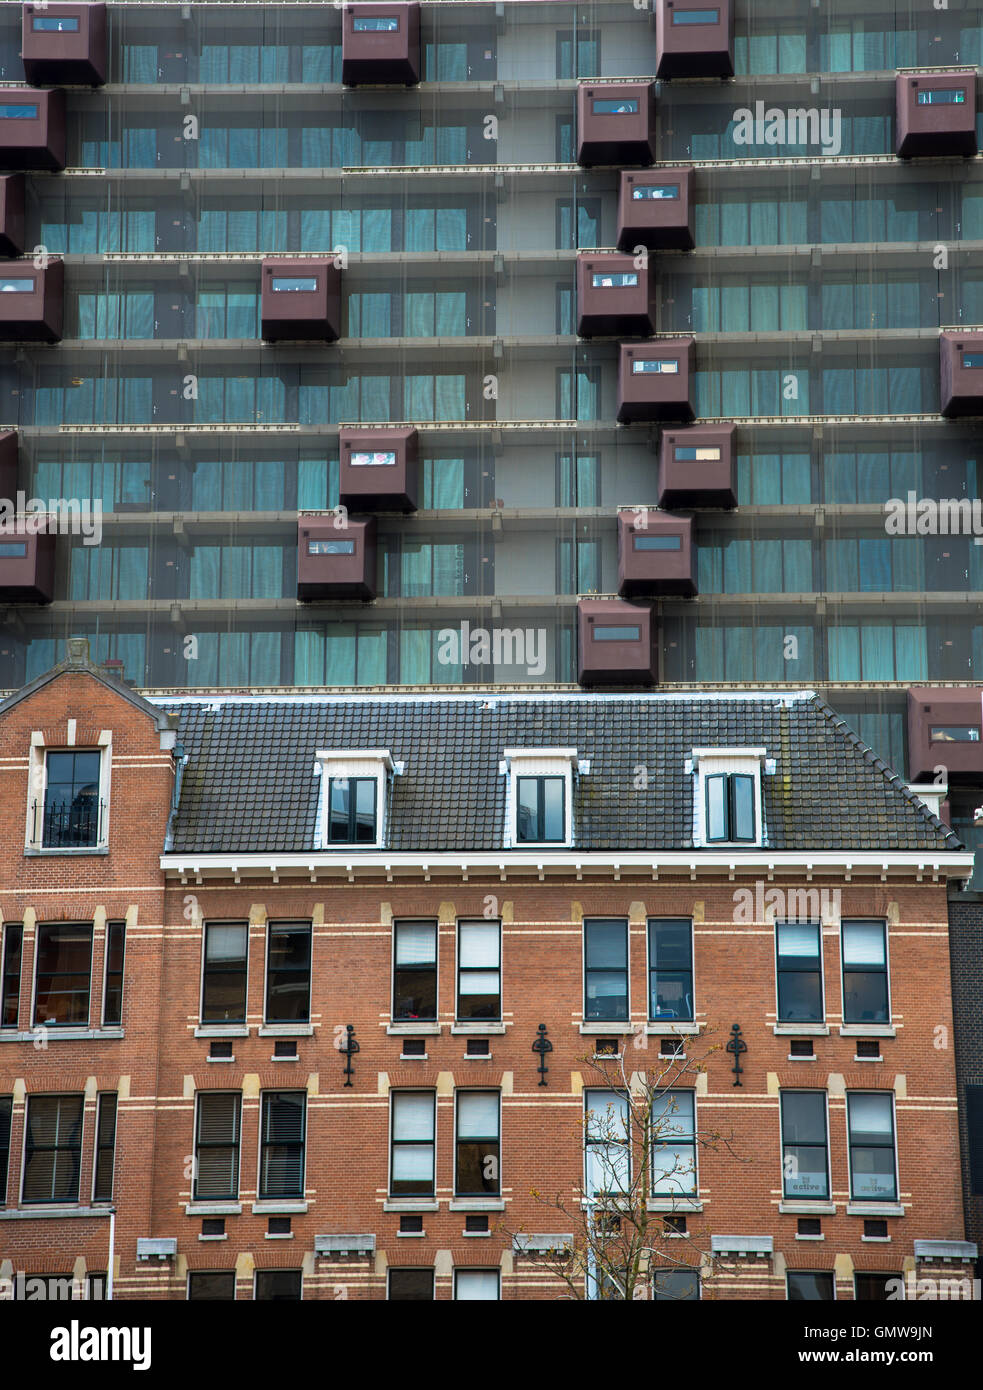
column 476, row 1284
column 282, row 1144
column 607, row 1140
column 414, row 972
column 479, row 973
column 413, row 1143
column 217, row 1134
column 478, row 1152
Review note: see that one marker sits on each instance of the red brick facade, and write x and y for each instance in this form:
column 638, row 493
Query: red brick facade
column 159, row 1064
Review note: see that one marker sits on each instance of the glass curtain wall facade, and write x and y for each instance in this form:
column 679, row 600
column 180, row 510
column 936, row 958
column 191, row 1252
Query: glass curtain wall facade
column 821, row 276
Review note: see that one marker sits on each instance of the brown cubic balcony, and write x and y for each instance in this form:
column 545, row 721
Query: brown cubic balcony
column 335, row 561
column 27, row 565
column 945, row 729
column 694, row 39
column 8, row 466
column 616, row 642
column 656, row 554
column 936, row 114
column 32, row 128
column 301, row 299
column 962, row 373
column 378, row 470
column 697, row 467
column 654, row 381
column 380, row 44
column 655, row 210
column 614, row 296
column 615, row 123
column 11, row 214
column 64, row 44
column 32, row 302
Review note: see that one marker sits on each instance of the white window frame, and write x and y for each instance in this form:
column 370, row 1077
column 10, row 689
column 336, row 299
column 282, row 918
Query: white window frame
column 539, row 762
column 483, row 1269
column 589, row 1143
column 341, row 763
column 707, row 762
column 37, row 789
column 413, row 1197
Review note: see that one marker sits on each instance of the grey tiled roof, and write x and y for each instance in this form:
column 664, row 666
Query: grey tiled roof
column 250, row 787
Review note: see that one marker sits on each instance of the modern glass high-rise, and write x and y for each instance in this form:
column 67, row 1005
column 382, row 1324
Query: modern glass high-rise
column 823, row 268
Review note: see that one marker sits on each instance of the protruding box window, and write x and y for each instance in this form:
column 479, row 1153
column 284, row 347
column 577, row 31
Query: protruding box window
column 935, row 114
column 654, row 381
column 64, row 45
column 615, row 123
column 694, row 40
column 380, row 44
column 32, row 129
column 32, row 303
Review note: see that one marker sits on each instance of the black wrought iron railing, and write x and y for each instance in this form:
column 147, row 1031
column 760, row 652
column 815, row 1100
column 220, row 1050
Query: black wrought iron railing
column 69, row 825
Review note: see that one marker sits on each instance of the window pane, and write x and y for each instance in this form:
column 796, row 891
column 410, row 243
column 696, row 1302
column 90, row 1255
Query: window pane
column 477, row 1114
column 553, row 808
column 864, row 944
column 476, row 1284
column 716, row 808
column 478, row 944
column 413, row 1115
column 416, row 943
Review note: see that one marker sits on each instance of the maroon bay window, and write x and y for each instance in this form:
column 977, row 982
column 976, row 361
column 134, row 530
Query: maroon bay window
column 32, row 301
column 615, row 642
column 694, row 39
column 945, row 729
column 615, row 123
column 654, row 380
column 962, row 373
column 27, row 566
column 380, row 44
column 335, row 561
column 655, row 210
column 64, row 44
column 936, row 113
column 656, row 554
column 11, row 214
column 697, row 467
column 32, row 128
column 614, row 296
column 378, row 469
column 8, row 466
column 301, row 299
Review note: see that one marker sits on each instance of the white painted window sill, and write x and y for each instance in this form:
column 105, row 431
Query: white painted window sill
column 413, row 1030
column 222, row 1030
column 801, row 1030
column 477, row 1204
column 213, row 1209
column 265, row 1208
column 54, row 1033
column 285, row 1030
column 480, row 1030
column 794, row 1208
column 670, row 1027
column 677, row 1205
column 868, row 1030
column 874, row 1209
column 606, row 1030
column 406, row 1204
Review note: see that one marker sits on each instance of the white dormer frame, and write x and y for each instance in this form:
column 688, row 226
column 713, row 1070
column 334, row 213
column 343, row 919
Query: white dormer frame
column 704, row 762
column 374, row 763
column 540, row 762
column 37, row 788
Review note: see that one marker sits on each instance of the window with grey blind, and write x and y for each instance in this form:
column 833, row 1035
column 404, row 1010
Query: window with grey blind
column 105, row 1159
column 282, row 1143
column 414, row 971
column 479, row 976
column 53, row 1151
column 800, row 972
column 413, row 1131
column 865, row 973
column 217, row 1134
column 478, row 1150
column 223, row 985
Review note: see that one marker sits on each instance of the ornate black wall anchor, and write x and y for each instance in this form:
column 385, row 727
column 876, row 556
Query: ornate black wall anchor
column 737, row 1045
column 542, row 1045
column 349, row 1048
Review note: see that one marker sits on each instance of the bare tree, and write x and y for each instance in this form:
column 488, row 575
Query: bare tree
column 641, row 1147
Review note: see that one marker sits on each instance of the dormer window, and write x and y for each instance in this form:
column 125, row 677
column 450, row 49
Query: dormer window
column 540, row 796
column 730, row 808
column 727, row 808
column 353, row 797
column 376, row 24
column 69, row 800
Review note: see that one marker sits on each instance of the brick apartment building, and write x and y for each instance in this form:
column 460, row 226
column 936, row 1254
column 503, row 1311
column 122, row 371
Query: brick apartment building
column 205, row 899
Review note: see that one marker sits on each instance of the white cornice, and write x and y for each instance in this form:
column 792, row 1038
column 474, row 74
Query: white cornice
column 848, row 865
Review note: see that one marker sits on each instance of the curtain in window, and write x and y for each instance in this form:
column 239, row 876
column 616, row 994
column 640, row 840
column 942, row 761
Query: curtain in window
column 443, row 483
column 448, row 569
column 414, row 656
column 370, row 315
column 210, row 314
column 242, row 314
column 204, row 573
column 321, row 62
column 416, row 569
column 140, row 63
column 317, row 483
